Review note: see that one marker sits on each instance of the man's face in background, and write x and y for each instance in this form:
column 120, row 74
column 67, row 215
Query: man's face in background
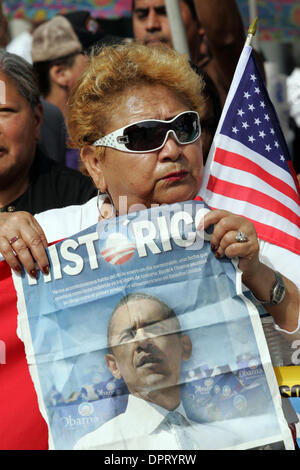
column 151, row 25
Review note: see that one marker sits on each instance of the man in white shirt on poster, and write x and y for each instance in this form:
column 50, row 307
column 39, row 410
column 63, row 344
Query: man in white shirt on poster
column 146, row 349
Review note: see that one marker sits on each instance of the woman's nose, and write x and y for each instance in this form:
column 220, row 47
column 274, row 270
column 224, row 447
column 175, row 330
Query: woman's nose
column 171, row 149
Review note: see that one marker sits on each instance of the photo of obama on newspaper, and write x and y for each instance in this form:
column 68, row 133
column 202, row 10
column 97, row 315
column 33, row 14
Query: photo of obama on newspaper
column 151, row 346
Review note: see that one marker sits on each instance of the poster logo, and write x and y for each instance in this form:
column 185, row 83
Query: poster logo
column 118, row 249
column 85, row 409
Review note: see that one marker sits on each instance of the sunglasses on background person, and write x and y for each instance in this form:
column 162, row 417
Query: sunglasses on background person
column 151, row 135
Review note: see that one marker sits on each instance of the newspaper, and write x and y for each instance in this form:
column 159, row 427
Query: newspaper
column 139, row 338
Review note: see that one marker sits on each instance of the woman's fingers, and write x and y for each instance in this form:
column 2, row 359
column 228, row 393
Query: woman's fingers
column 8, row 254
column 29, row 249
column 226, row 228
column 230, row 247
column 233, row 236
column 23, row 243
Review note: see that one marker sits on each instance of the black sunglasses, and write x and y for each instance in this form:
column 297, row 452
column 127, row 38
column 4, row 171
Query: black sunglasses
column 151, row 135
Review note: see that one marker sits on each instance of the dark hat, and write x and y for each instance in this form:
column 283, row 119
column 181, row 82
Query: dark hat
column 87, row 28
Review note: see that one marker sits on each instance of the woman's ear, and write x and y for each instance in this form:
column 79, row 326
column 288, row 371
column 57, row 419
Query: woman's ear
column 93, row 164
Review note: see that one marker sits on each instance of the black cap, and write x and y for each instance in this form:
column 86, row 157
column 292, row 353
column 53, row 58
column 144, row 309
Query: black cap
column 93, row 31
column 86, row 27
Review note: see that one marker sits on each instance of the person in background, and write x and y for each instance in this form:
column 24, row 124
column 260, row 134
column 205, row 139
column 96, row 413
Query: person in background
column 58, row 62
column 53, row 133
column 215, row 37
column 87, row 29
column 214, row 29
column 29, row 181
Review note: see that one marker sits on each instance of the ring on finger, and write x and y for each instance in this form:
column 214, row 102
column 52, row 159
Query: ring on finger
column 241, row 237
column 14, row 239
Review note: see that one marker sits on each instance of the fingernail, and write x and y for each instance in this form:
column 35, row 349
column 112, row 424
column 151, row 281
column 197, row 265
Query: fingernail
column 33, row 273
column 46, row 269
column 217, row 255
column 17, row 269
column 213, row 248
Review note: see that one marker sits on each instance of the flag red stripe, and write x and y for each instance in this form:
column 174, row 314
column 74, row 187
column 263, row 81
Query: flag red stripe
column 294, row 176
column 22, row 426
column 258, row 198
column 234, row 160
column 275, row 236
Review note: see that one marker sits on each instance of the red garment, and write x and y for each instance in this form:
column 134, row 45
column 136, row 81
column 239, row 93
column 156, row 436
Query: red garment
column 22, row 426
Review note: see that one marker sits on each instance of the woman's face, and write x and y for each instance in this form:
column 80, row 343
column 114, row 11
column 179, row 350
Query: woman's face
column 171, row 174
column 19, row 132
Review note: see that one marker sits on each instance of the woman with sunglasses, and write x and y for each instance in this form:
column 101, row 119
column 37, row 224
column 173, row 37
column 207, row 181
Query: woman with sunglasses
column 146, row 145
column 136, row 116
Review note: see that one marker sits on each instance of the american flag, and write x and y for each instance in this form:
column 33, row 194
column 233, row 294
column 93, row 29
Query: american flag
column 249, row 169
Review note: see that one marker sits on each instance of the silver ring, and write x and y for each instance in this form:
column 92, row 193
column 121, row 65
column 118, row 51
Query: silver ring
column 14, row 239
column 241, row 237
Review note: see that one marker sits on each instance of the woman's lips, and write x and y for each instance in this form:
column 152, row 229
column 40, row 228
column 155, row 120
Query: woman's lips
column 176, row 175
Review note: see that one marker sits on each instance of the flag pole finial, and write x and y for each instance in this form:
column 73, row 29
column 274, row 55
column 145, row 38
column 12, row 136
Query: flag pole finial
column 252, row 31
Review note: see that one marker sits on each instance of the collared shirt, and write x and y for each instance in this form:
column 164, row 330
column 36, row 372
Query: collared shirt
column 144, row 426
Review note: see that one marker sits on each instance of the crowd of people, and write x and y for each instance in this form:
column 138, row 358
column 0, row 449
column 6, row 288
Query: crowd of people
column 59, row 121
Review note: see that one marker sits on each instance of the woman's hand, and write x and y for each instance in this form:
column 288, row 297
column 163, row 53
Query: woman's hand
column 23, row 242
column 257, row 276
column 224, row 243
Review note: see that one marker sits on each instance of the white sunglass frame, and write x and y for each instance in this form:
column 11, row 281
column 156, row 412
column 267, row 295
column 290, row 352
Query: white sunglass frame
column 117, row 140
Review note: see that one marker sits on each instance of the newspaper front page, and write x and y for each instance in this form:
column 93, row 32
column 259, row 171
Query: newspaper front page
column 139, row 338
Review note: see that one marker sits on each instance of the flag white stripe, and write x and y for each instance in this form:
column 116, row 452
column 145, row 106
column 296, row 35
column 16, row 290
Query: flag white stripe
column 231, row 145
column 248, row 180
column 254, row 212
column 243, row 60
